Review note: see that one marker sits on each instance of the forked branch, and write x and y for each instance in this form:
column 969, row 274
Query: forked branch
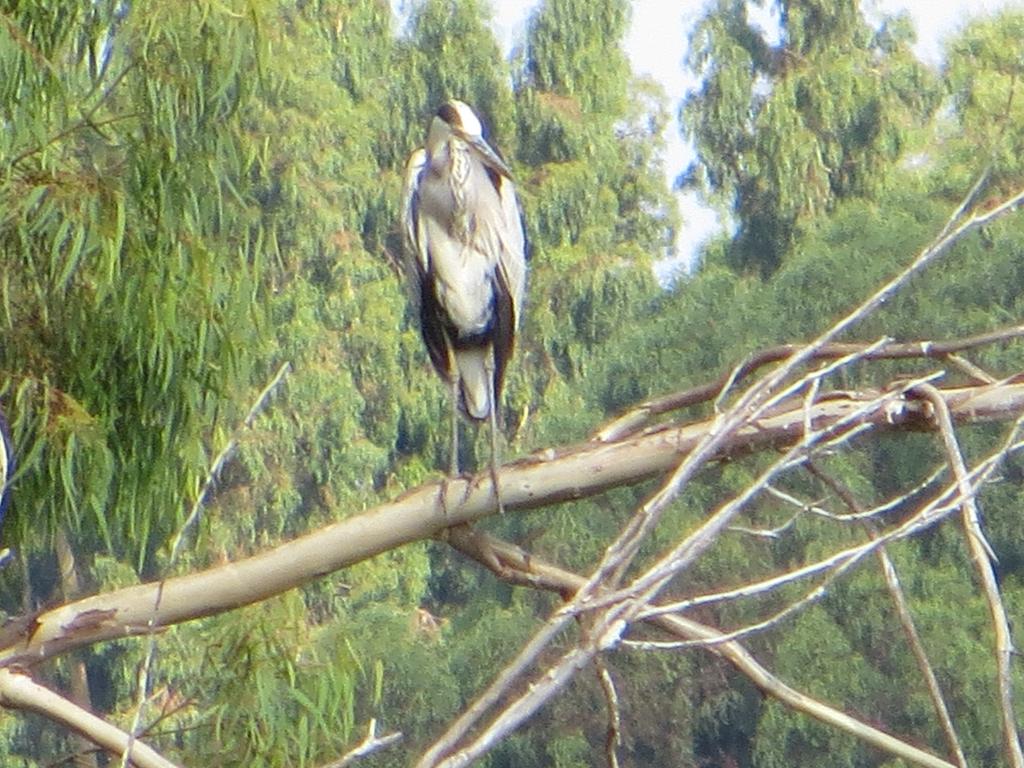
column 530, row 483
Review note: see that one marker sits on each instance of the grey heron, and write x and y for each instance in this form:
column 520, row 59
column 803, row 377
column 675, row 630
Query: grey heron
column 464, row 234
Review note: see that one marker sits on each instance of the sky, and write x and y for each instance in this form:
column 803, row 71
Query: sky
column 656, row 46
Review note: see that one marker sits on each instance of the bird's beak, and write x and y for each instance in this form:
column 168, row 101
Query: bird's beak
column 490, row 157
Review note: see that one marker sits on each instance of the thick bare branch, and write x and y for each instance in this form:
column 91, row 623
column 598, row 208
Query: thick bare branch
column 19, row 691
column 527, row 484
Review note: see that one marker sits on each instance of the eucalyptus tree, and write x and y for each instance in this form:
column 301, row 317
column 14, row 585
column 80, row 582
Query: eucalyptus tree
column 599, row 212
column 791, row 118
column 191, row 198
column 131, row 272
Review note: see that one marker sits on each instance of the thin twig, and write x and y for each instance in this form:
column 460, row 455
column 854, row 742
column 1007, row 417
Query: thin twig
column 975, row 372
column 179, row 539
column 980, row 554
column 892, row 582
column 371, row 743
column 613, row 733
column 969, row 199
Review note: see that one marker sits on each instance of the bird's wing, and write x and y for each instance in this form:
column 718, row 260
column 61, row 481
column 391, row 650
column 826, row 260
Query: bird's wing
column 507, row 224
column 507, row 243
column 419, row 269
column 6, row 463
column 410, row 207
column 512, row 258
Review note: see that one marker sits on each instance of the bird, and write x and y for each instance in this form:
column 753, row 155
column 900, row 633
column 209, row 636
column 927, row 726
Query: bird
column 466, row 264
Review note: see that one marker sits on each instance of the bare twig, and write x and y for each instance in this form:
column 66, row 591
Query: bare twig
column 613, row 734
column 899, row 599
column 892, row 582
column 371, row 743
column 222, row 459
column 975, row 372
column 969, row 199
column 633, row 419
column 544, row 575
column 980, row 554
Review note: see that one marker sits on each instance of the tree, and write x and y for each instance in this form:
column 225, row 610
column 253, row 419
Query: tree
column 598, row 212
column 232, row 319
column 785, row 129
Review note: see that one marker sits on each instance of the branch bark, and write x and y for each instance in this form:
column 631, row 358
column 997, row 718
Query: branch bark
column 19, row 691
column 634, row 418
column 537, row 481
column 537, row 573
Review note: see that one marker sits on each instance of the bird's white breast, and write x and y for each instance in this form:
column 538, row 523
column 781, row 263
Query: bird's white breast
column 461, row 233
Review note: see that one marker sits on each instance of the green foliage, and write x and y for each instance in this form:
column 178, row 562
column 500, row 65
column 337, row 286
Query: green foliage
column 193, row 194
column 574, row 48
column 130, row 280
column 982, row 73
column 823, row 660
column 784, row 130
column 283, row 689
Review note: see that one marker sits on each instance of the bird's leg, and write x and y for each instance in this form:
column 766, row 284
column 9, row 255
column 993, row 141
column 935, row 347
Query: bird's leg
column 494, row 438
column 454, row 465
column 494, row 461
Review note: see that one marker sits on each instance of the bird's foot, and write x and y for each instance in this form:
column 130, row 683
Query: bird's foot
column 447, row 504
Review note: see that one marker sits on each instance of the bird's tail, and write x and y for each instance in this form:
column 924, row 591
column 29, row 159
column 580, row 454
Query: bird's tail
column 474, row 377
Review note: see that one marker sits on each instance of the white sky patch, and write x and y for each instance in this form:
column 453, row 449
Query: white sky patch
column 509, row 21
column 936, row 22
column 657, row 45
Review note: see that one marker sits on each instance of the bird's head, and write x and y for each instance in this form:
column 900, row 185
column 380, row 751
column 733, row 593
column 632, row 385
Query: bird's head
column 456, row 118
column 460, row 117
